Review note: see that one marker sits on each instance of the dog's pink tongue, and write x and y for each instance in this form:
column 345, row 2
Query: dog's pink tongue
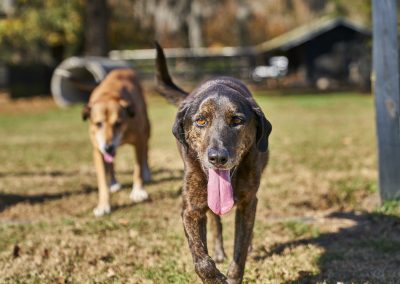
column 219, row 191
column 108, row 158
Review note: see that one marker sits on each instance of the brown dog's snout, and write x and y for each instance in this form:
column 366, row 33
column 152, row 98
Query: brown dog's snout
column 218, row 156
column 110, row 149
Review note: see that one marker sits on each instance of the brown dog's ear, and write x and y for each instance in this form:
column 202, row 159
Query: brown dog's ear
column 85, row 112
column 264, row 129
column 127, row 107
column 178, row 127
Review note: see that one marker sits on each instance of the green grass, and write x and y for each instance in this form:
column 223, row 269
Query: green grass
column 301, row 229
column 313, row 223
column 390, row 207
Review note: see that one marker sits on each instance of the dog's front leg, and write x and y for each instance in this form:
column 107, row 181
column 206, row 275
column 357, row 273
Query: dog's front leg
column 244, row 223
column 103, row 206
column 195, row 225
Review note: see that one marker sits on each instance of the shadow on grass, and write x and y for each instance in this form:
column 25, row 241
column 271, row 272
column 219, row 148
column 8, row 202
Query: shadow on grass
column 166, row 179
column 166, row 175
column 8, row 199
column 39, row 174
column 153, row 196
column 160, row 175
column 368, row 252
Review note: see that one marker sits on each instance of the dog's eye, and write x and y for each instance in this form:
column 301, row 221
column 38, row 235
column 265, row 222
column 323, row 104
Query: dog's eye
column 99, row 124
column 236, row 120
column 201, row 122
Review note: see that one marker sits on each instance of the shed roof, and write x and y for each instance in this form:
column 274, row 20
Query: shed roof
column 307, row 32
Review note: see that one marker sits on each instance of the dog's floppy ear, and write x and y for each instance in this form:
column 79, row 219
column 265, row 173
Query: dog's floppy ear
column 178, row 127
column 127, row 107
column 164, row 84
column 85, row 112
column 264, row 129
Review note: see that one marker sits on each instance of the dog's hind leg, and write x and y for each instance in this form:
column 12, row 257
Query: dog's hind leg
column 216, row 232
column 103, row 206
column 138, row 193
column 146, row 174
column 244, row 223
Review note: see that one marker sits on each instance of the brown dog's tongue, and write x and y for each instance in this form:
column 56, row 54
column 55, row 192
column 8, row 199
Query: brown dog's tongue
column 219, row 191
column 108, row 158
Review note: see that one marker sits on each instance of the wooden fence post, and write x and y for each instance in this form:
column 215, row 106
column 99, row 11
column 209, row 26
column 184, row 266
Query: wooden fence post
column 386, row 73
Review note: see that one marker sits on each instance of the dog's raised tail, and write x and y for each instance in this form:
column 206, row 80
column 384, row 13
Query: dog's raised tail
column 164, row 84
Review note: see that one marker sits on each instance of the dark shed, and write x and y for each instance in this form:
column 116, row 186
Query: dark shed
column 332, row 49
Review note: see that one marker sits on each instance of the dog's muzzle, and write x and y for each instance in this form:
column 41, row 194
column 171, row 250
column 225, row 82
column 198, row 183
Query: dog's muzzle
column 218, row 156
column 109, row 153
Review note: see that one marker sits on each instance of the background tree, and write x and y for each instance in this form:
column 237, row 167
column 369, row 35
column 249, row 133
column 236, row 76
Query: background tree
column 176, row 23
column 41, row 31
column 48, row 31
column 96, row 26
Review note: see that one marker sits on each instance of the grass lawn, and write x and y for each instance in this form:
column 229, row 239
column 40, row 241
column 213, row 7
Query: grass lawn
column 318, row 219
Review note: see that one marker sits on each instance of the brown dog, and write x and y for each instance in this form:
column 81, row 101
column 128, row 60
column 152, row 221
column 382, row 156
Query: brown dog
column 222, row 137
column 118, row 115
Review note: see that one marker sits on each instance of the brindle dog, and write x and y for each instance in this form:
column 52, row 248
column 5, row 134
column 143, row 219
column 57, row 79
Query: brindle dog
column 222, row 136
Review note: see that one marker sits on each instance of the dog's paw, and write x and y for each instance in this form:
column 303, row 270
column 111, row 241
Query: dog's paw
column 216, row 280
column 219, row 256
column 138, row 194
column 115, row 186
column 234, row 273
column 101, row 210
column 208, row 272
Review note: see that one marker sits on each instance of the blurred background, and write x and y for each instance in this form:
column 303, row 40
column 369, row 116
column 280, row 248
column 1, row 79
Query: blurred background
column 276, row 44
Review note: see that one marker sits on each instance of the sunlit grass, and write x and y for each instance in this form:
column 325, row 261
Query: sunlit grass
column 323, row 161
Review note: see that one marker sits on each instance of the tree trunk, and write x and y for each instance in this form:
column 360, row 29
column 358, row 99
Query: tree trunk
column 96, row 27
column 242, row 18
column 386, row 69
column 194, row 23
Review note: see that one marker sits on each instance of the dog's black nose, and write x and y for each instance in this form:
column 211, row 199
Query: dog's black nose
column 218, row 157
column 109, row 149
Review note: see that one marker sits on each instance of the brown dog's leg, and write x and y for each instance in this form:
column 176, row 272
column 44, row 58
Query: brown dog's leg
column 138, row 193
column 216, row 231
column 195, row 225
column 146, row 174
column 112, row 180
column 244, row 224
column 103, row 206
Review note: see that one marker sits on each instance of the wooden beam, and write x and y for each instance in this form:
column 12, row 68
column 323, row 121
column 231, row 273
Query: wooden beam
column 386, row 73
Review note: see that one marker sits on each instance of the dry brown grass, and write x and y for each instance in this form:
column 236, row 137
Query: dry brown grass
column 315, row 222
